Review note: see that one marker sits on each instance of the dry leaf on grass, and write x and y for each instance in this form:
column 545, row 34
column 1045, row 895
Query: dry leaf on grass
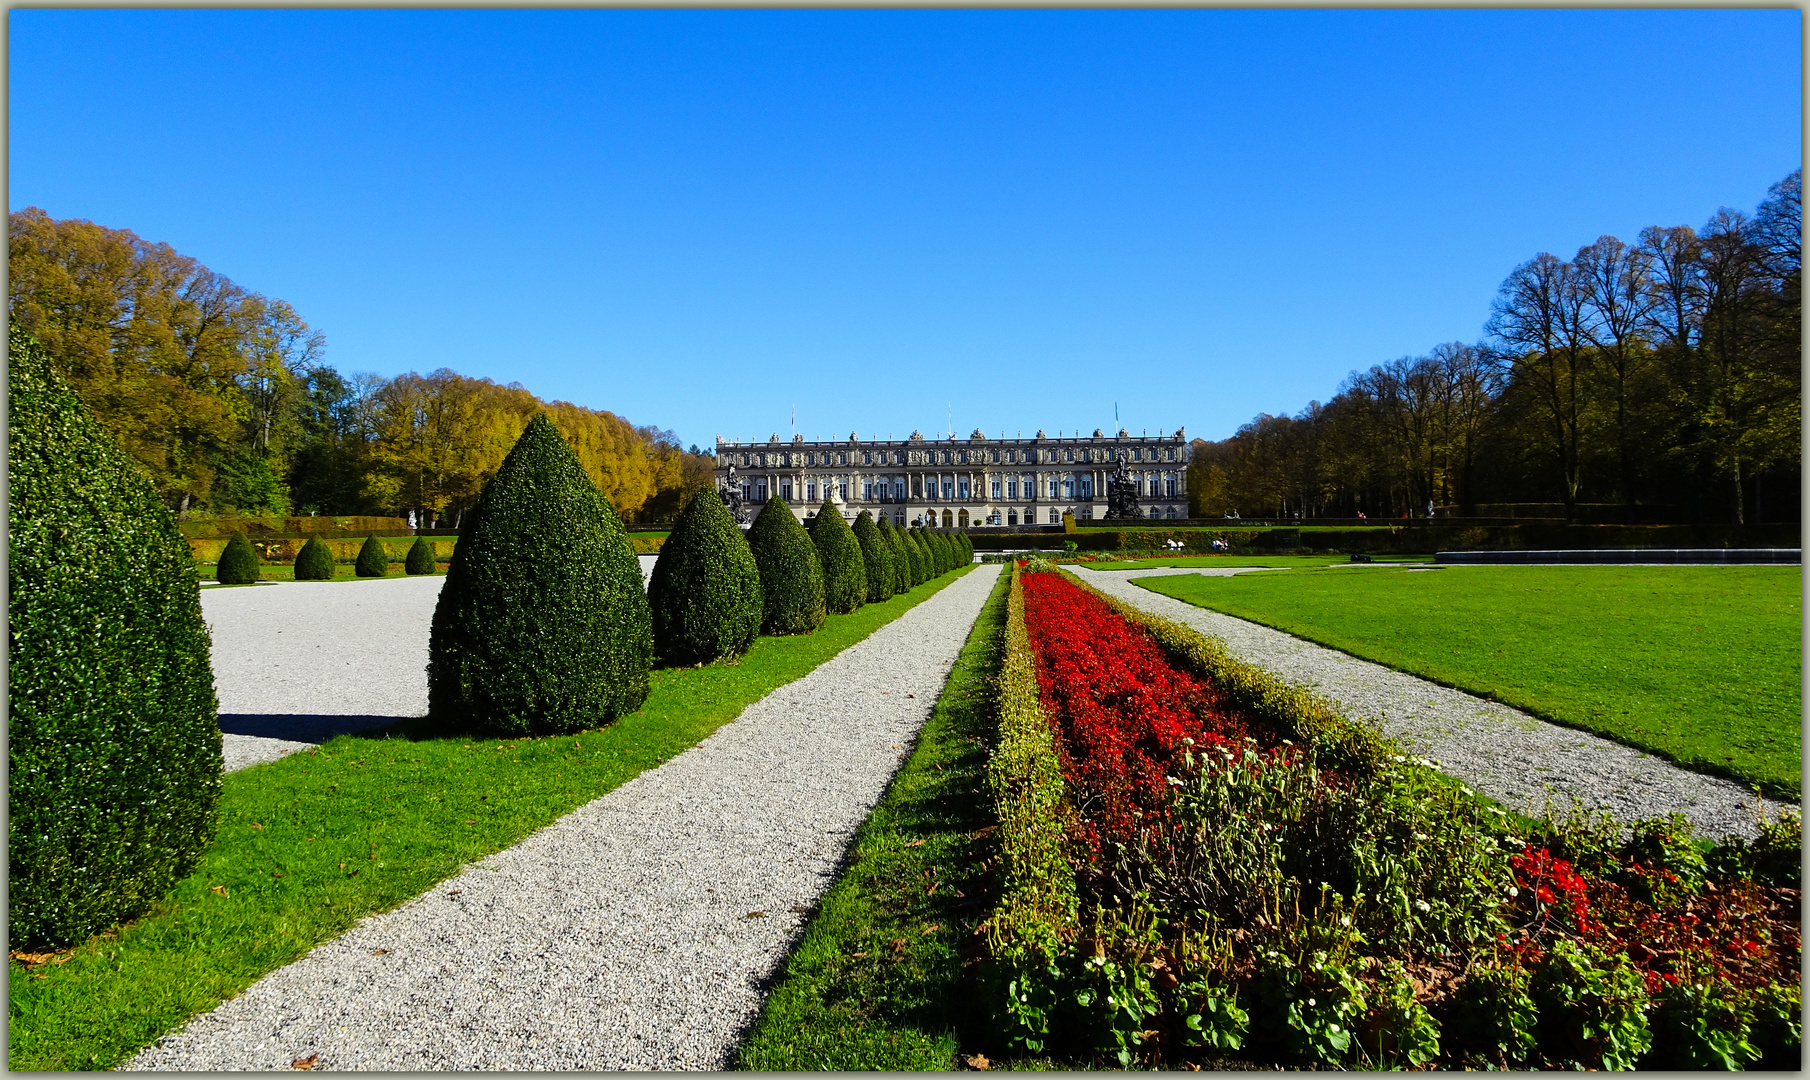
column 978, row 1062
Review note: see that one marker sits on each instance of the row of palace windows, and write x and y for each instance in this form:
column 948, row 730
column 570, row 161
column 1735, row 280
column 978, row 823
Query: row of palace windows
column 1068, row 487
column 787, row 459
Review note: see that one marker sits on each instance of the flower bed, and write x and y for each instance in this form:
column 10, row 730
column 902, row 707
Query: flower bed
column 1255, row 879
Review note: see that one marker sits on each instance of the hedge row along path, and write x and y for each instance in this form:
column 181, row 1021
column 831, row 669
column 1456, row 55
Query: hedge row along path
column 636, row 932
column 1517, row 759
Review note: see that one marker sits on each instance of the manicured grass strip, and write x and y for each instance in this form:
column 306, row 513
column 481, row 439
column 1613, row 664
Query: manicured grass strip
column 877, row 981
column 1698, row 664
column 1277, row 562
column 310, row 844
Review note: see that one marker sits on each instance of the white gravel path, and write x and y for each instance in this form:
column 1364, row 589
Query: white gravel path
column 634, row 933
column 1513, row 757
column 298, row 662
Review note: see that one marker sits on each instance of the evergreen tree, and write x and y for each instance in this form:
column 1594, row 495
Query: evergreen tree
column 706, row 591
column 421, row 557
column 114, row 741
column 901, row 563
column 875, row 556
column 839, row 553
column 238, row 563
column 315, row 562
column 939, row 551
column 914, row 557
column 542, row 627
column 922, row 538
column 791, row 579
column 373, row 559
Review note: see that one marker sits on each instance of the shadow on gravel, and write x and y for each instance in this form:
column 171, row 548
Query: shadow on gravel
column 302, row 727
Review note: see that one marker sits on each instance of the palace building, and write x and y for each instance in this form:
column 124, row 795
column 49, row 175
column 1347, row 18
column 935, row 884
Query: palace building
column 961, row 483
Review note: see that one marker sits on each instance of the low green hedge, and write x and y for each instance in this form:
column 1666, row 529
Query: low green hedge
column 1036, row 916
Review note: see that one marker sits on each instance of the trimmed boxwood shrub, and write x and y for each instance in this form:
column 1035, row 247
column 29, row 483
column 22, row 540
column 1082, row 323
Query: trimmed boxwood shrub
column 914, row 557
column 928, row 557
column 542, row 627
column 901, row 563
column 967, row 549
column 238, row 563
column 421, row 557
column 876, row 557
column 373, row 559
column 791, row 580
column 943, row 556
column 705, row 591
column 315, row 563
column 839, row 553
column 114, row 738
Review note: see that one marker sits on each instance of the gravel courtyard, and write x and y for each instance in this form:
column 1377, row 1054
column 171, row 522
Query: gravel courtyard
column 1513, row 757
column 636, row 932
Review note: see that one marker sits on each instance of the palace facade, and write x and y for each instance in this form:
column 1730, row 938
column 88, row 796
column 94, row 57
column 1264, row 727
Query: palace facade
column 961, row 483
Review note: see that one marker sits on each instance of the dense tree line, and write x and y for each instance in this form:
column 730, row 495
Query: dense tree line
column 1663, row 375
column 225, row 396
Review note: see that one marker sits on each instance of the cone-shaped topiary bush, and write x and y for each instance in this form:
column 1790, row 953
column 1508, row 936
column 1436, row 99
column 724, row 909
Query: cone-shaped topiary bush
column 945, row 551
column 967, row 549
column 876, row 557
column 939, row 562
column 839, row 553
column 315, row 562
column 791, row 580
column 421, row 557
column 901, row 563
column 238, row 563
column 373, row 559
column 922, row 539
column 114, row 740
column 705, row 591
column 542, row 627
column 914, row 556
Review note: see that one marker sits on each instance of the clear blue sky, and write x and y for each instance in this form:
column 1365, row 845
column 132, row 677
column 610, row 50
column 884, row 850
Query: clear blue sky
column 701, row 219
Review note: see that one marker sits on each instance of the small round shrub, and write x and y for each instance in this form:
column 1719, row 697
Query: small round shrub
column 791, row 580
column 901, row 563
column 839, row 553
column 705, row 591
column 875, row 556
column 421, row 557
column 373, row 559
column 113, row 736
column 315, row 563
column 238, row 563
column 542, row 627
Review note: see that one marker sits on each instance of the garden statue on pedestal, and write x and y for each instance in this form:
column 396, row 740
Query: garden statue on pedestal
column 1122, row 493
column 732, row 498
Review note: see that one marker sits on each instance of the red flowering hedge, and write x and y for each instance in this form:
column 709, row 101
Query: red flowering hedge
column 1256, row 879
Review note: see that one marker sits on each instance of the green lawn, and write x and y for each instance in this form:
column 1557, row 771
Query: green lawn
column 1699, row 664
column 877, row 981
column 286, row 572
column 1271, row 561
column 310, row 844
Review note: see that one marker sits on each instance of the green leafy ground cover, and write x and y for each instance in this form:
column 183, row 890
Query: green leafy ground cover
column 1699, row 664
column 876, row 982
column 310, row 844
